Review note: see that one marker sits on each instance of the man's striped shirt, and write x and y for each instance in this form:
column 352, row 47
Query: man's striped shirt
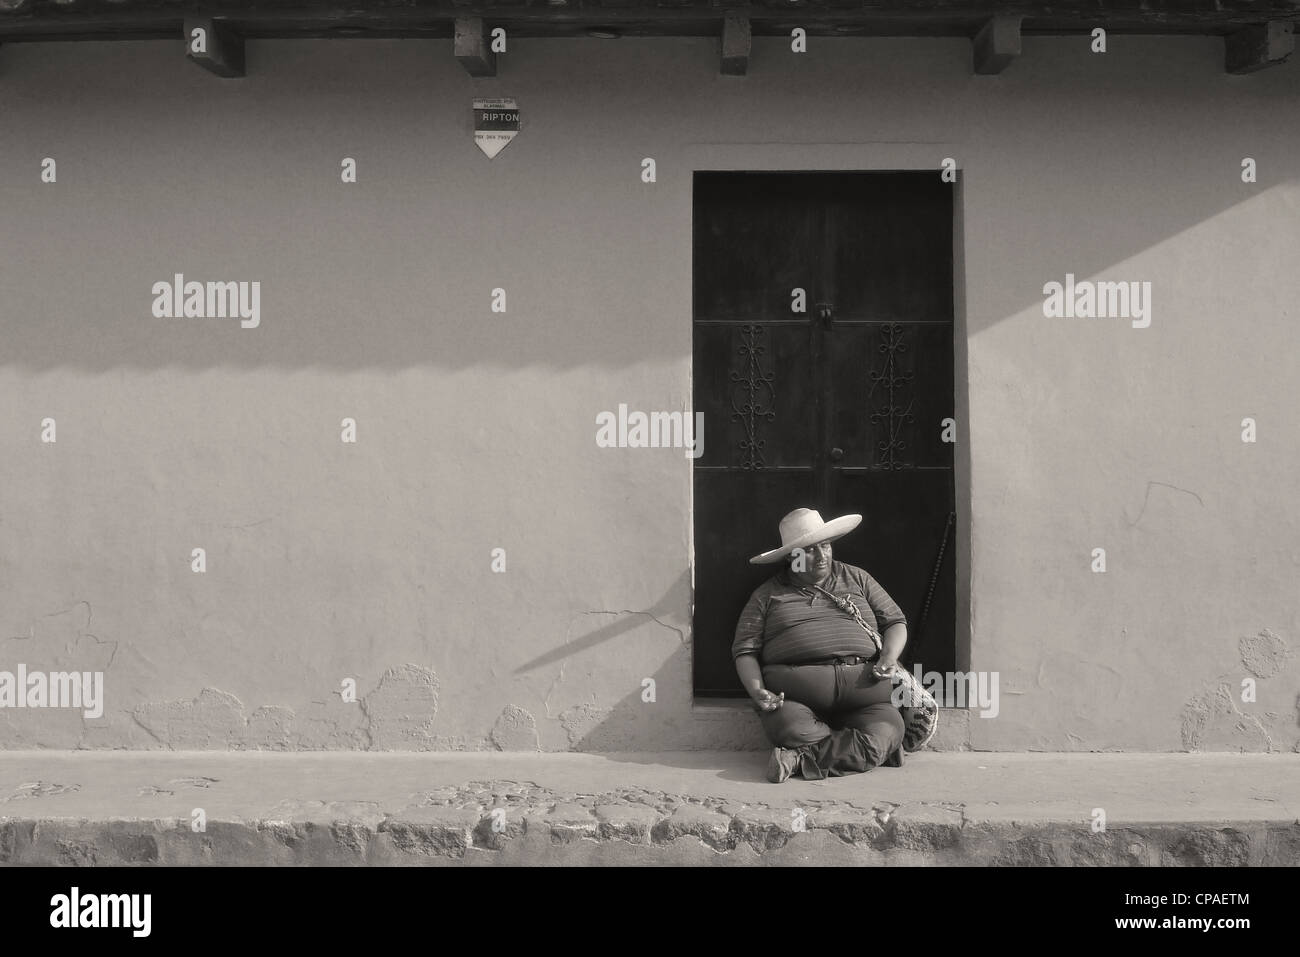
column 785, row 622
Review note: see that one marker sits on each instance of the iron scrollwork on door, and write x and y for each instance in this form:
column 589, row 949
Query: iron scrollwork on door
column 893, row 414
column 752, row 396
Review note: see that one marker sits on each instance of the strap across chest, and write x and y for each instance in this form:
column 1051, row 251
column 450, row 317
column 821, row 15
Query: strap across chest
column 849, row 607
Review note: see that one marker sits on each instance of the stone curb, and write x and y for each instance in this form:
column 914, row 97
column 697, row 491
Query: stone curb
column 687, row 832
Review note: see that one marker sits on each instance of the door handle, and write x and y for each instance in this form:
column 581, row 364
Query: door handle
column 837, row 453
column 826, row 313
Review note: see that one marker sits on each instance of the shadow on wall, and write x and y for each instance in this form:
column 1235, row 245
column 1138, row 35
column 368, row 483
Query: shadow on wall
column 658, row 714
column 636, row 723
column 674, row 599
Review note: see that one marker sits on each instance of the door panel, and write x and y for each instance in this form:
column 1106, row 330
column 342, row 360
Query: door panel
column 748, row 254
column 892, row 247
column 743, row 508
column 903, row 527
column 756, row 411
column 893, row 388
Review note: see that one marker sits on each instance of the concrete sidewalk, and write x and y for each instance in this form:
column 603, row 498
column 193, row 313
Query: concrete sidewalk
column 97, row 807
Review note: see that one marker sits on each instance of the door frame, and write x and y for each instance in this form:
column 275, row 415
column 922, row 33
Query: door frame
column 864, row 157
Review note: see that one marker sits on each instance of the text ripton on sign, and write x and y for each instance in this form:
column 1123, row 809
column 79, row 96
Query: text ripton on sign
column 496, row 122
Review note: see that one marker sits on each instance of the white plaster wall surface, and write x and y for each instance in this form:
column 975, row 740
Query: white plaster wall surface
column 476, row 430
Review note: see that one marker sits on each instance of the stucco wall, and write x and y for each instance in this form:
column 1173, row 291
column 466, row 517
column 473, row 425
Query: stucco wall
column 476, row 430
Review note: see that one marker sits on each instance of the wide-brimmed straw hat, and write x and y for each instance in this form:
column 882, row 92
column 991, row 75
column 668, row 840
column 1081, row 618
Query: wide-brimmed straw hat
column 804, row 527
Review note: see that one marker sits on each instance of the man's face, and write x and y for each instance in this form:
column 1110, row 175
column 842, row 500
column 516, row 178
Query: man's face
column 815, row 558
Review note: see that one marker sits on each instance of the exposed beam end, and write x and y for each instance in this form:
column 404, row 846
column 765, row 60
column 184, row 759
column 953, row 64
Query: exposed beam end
column 997, row 44
column 214, row 46
column 1257, row 47
column 735, row 44
column 473, row 48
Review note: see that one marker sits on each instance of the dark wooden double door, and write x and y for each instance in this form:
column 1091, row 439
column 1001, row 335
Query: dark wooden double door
column 841, row 407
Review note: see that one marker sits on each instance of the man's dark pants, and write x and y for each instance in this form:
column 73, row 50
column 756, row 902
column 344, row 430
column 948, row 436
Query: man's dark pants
column 839, row 715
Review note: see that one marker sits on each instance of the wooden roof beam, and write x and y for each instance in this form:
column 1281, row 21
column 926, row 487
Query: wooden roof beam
column 45, row 20
column 474, row 47
column 996, row 45
column 735, row 44
column 214, row 46
column 1257, row 47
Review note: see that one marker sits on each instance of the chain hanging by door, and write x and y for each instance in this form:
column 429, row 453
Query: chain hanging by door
column 934, row 577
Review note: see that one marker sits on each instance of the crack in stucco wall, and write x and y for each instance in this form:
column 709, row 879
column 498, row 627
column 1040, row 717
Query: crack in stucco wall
column 80, row 614
column 1147, row 496
column 680, row 632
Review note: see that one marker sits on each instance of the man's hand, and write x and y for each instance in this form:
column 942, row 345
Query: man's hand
column 884, row 668
column 766, row 701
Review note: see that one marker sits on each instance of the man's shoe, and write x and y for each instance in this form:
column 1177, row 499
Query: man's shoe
column 783, row 763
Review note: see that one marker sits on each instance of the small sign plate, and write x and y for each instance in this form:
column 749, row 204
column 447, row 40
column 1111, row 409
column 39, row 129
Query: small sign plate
column 496, row 123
